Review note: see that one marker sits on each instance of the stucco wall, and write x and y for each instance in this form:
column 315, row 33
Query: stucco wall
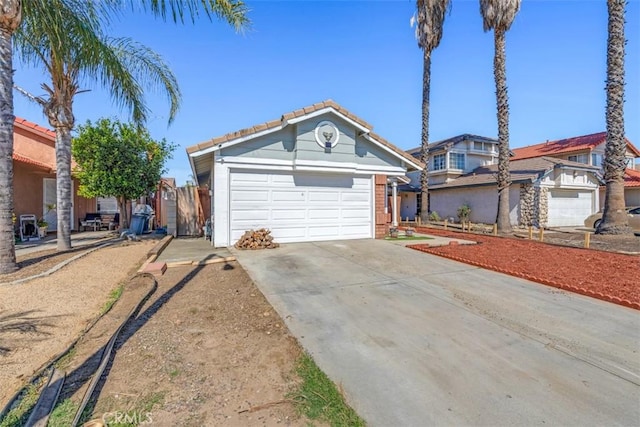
column 28, row 194
column 631, row 196
column 483, row 201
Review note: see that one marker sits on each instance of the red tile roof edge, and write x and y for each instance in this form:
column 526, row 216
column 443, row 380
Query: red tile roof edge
column 23, row 159
column 632, row 178
column 26, row 124
column 566, row 145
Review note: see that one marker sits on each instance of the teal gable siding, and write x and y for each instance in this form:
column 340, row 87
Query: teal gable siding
column 297, row 142
column 278, row 145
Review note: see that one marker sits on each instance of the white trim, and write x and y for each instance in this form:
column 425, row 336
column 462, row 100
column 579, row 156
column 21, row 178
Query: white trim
column 390, row 151
column 324, row 111
column 221, row 206
column 310, row 165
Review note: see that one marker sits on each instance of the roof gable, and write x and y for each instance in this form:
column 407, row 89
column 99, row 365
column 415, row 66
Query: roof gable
column 296, row 116
column 443, row 144
column 567, row 145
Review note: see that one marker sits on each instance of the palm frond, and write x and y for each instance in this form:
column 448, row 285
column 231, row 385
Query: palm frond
column 498, row 14
column 428, row 21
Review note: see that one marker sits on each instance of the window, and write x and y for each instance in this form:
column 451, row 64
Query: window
column 107, row 204
column 418, row 203
column 456, row 160
column 630, row 162
column 483, row 146
column 439, row 162
column 579, row 158
column 596, row 159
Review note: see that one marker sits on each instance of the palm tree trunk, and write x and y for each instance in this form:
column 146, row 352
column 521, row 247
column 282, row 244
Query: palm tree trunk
column 614, row 217
column 504, row 177
column 64, row 202
column 10, row 18
column 424, row 143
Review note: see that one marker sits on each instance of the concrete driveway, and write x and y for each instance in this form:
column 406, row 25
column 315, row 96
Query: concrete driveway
column 417, row 340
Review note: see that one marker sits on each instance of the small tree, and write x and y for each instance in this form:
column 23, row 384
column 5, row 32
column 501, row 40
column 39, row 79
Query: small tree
column 118, row 160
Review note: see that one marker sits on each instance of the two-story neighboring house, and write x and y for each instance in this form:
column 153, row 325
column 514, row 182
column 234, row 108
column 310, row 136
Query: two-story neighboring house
column 550, row 186
column 448, row 160
column 589, row 150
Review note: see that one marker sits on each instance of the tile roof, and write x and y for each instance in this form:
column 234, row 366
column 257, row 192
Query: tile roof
column 23, row 159
column 295, row 114
column 26, row 124
column 567, row 145
column 524, row 170
column 453, row 140
column 632, row 178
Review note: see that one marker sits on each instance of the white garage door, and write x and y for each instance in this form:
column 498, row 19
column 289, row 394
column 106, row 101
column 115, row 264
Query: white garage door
column 300, row 207
column 569, row 207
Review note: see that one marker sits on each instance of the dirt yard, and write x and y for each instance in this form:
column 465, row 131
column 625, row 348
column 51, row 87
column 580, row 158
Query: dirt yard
column 206, row 349
column 40, row 318
column 602, row 274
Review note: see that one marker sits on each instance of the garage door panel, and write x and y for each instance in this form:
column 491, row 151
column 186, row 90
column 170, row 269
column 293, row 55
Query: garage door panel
column 247, row 179
column 323, row 196
column 288, row 214
column 325, row 232
column 355, row 214
column 324, row 214
column 361, row 196
column 287, row 196
column 251, row 215
column 250, row 196
column 354, row 230
column 301, row 206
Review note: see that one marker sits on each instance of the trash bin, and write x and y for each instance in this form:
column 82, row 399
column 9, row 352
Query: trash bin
column 138, row 221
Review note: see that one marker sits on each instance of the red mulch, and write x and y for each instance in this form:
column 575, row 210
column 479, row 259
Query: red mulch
column 608, row 276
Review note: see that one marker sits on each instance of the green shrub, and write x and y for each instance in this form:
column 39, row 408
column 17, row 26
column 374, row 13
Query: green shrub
column 433, row 216
column 464, row 212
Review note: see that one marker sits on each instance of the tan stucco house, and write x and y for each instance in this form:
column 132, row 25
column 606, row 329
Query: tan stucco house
column 34, row 176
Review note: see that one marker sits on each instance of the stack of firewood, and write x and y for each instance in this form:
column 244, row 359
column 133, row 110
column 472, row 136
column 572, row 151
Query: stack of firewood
column 257, row 239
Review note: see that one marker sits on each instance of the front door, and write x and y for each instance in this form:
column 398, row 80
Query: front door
column 49, row 203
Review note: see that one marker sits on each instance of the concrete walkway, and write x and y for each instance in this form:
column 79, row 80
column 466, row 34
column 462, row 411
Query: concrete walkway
column 195, row 250
column 417, row 340
column 50, row 242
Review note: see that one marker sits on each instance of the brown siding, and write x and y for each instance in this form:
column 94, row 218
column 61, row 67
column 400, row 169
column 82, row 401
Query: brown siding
column 381, row 217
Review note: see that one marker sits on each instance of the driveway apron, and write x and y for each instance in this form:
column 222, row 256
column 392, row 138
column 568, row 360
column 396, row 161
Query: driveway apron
column 415, row 339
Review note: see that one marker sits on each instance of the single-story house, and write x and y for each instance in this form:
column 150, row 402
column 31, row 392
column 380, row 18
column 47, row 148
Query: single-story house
column 587, row 149
column 316, row 173
column 545, row 191
column 34, row 176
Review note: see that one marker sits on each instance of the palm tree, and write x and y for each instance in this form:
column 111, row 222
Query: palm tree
column 429, row 19
column 614, row 217
column 499, row 15
column 10, row 17
column 52, row 35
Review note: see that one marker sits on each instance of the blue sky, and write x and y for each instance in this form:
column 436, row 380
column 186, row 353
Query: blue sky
column 363, row 55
